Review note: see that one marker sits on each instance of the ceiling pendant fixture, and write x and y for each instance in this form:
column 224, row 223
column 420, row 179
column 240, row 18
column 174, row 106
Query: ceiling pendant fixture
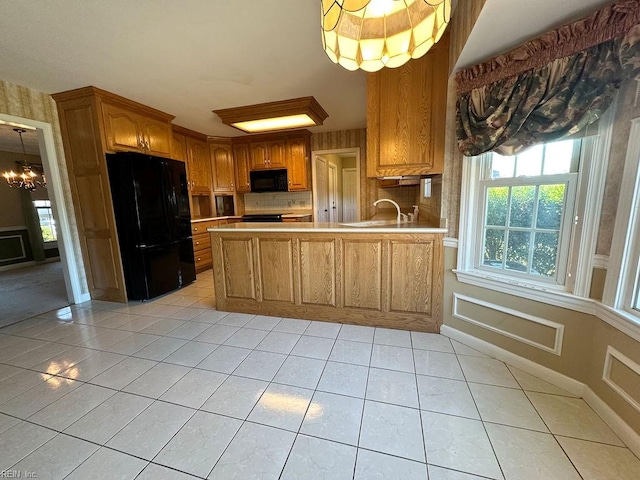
column 372, row 34
column 28, row 179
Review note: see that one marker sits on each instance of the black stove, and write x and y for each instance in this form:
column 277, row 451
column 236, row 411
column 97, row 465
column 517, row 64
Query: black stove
column 269, row 217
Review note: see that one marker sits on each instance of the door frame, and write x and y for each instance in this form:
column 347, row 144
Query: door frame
column 314, row 186
column 333, row 197
column 46, row 142
column 353, row 150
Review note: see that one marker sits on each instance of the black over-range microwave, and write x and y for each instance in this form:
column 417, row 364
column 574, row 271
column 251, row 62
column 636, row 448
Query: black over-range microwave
column 269, row 180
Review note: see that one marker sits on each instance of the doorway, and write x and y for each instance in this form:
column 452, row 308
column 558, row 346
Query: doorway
column 46, row 279
column 336, row 185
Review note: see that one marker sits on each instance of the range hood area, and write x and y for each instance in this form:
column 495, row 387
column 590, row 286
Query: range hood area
column 399, row 181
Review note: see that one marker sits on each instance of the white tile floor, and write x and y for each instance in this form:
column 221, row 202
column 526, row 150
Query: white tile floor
column 172, row 389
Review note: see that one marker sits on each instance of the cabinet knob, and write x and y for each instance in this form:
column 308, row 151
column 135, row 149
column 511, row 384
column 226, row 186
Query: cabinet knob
column 195, row 229
column 232, row 184
column 198, row 259
column 197, row 243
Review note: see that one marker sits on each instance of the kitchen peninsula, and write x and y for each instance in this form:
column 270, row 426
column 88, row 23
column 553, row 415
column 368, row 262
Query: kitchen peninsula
column 369, row 273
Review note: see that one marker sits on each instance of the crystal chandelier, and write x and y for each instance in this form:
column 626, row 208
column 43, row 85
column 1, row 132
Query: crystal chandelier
column 372, row 34
column 28, row 179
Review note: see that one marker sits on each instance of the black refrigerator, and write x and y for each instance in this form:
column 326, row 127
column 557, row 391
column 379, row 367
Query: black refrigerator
column 151, row 206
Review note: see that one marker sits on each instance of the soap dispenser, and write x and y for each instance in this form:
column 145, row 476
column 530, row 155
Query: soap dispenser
column 416, row 212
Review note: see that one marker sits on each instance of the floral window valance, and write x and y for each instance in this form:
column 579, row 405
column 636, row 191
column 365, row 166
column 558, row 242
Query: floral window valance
column 550, row 87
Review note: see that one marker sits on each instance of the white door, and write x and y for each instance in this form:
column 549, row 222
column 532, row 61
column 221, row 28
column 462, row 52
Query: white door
column 333, row 193
column 349, row 195
column 322, row 191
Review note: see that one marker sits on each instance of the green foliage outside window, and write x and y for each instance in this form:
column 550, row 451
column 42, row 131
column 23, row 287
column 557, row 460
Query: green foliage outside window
column 526, row 220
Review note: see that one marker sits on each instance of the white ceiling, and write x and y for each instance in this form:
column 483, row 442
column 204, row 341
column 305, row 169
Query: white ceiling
column 504, row 24
column 190, row 57
column 10, row 141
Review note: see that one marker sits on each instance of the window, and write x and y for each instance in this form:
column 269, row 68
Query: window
column 527, row 206
column 47, row 222
column 622, row 287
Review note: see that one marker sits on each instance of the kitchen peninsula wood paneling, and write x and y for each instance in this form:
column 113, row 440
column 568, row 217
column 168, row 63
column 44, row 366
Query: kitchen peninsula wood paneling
column 94, row 122
column 276, row 269
column 378, row 279
column 406, row 110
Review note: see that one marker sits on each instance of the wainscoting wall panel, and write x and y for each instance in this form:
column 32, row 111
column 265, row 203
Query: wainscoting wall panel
column 535, row 331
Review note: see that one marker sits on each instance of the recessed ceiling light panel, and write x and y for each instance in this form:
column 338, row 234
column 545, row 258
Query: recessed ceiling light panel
column 268, row 117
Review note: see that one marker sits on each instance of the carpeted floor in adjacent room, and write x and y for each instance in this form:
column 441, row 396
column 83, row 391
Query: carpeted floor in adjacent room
column 31, row 291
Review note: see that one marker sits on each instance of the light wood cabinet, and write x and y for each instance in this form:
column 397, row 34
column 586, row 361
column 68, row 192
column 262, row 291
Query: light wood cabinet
column 242, row 163
column 290, row 150
column 222, row 166
column 199, row 166
column 298, row 163
column 94, row 122
column 390, row 280
column 179, row 147
column 265, row 155
column 129, row 131
column 202, row 243
column 406, row 110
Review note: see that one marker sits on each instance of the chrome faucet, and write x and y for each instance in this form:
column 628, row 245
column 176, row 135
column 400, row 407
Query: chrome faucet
column 400, row 214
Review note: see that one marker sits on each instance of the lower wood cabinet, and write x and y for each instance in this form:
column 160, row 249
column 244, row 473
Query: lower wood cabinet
column 386, row 280
column 202, row 244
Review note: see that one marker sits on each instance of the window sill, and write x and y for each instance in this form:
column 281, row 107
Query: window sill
column 619, row 319
column 539, row 293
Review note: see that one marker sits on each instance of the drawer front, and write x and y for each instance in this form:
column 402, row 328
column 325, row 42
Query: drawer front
column 201, row 227
column 201, row 242
column 203, row 259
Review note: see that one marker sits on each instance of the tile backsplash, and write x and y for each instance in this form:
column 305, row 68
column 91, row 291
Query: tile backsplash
column 277, row 202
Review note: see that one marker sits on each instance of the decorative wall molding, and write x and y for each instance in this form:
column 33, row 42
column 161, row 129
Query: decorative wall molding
column 601, row 261
column 610, row 417
column 606, row 374
column 13, row 229
column 12, row 237
column 558, row 327
column 450, row 242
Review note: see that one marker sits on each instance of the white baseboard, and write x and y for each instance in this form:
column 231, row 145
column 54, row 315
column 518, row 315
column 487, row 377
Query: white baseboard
column 551, row 376
column 610, row 417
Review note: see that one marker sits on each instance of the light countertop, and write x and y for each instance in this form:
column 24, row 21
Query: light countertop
column 231, row 217
column 415, row 227
column 239, row 217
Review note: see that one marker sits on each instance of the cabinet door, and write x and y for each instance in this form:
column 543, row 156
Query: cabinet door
column 259, row 155
column 276, row 155
column 199, row 166
column 406, row 110
column 222, row 166
column 123, row 132
column 157, row 136
column 241, row 159
column 297, row 164
column 179, row 147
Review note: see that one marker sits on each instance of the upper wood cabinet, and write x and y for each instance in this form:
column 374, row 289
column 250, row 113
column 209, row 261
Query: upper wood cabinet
column 406, row 110
column 270, row 154
column 222, row 166
column 128, row 130
column 191, row 147
column 242, row 161
column 199, row 165
column 179, row 146
column 288, row 150
column 298, row 162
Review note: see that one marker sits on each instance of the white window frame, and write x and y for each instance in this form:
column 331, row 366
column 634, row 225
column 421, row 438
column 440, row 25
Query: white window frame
column 581, row 252
column 622, row 285
column 569, row 179
column 52, row 243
